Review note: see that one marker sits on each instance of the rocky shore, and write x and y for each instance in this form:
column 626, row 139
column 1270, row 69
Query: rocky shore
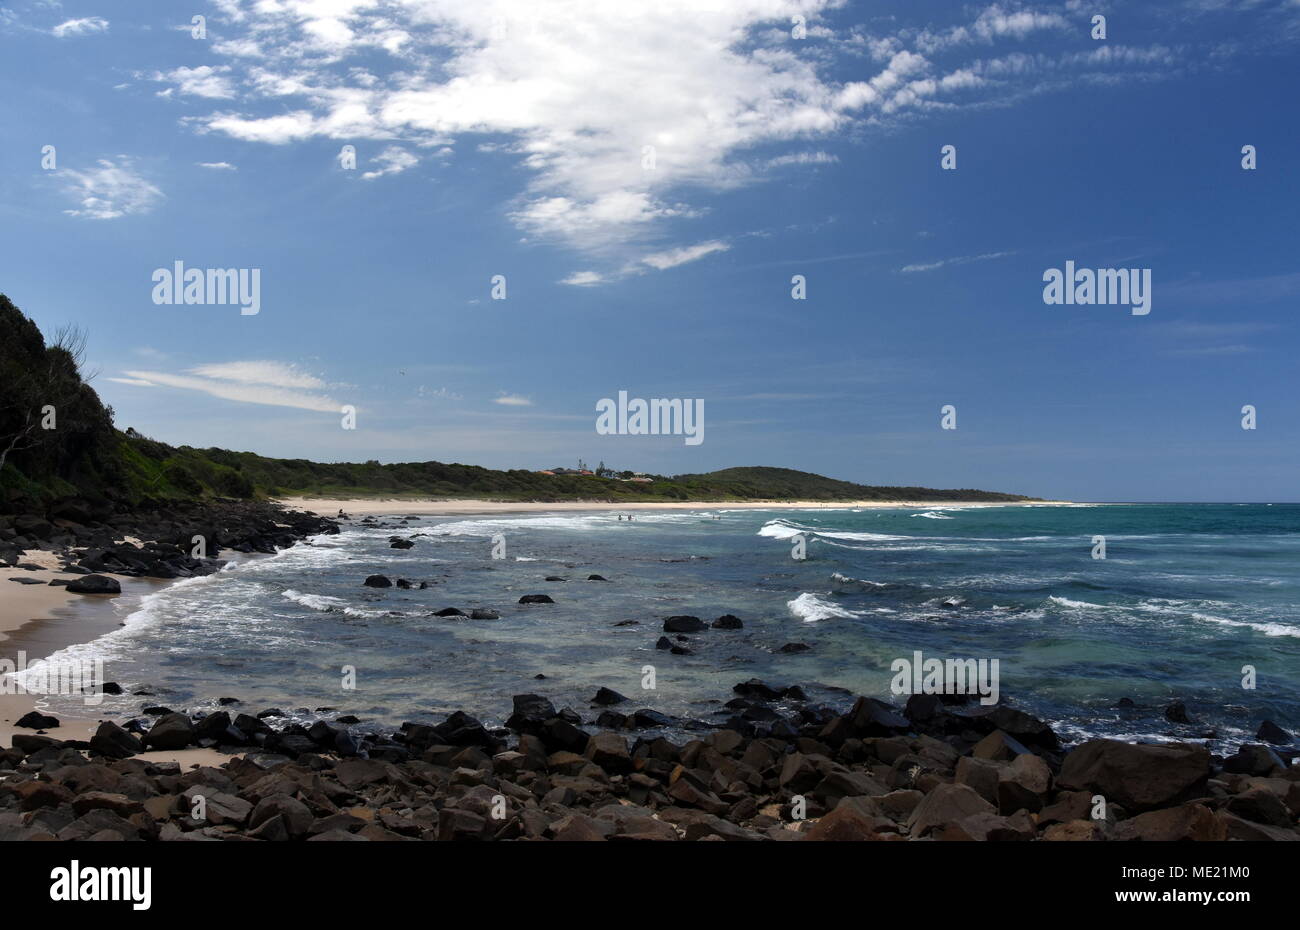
column 780, row 769
column 152, row 539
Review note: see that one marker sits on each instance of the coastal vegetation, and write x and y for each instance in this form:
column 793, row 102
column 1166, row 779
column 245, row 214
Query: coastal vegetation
column 81, row 453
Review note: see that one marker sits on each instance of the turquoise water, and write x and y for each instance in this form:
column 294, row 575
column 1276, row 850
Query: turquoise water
column 1186, row 596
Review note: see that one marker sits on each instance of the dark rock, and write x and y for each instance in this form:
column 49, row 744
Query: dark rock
column 1261, row 806
column 112, row 741
column 449, row 612
column 482, row 613
column 377, row 581
column 37, row 721
column 174, row 731
column 1270, row 732
column 728, row 622
column 944, row 805
column 794, row 647
column 1187, row 822
column 531, row 711
column 1136, row 776
column 1177, row 713
column 94, row 584
column 683, row 624
column 536, row 599
column 606, row 696
column 1254, row 759
column 597, row 578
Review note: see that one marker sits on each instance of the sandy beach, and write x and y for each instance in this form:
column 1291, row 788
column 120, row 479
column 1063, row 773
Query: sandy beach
column 39, row 620
column 329, row 507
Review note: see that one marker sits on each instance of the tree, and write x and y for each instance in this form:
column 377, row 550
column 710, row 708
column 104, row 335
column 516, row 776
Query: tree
column 52, row 384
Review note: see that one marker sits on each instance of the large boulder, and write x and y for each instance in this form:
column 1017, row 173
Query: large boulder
column 1136, row 776
column 609, row 751
column 684, row 624
column 172, row 731
column 944, row 805
column 1174, row 824
column 94, row 584
column 852, row 820
column 531, row 712
column 112, row 741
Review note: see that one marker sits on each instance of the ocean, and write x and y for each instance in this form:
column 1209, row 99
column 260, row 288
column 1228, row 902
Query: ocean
column 1187, row 597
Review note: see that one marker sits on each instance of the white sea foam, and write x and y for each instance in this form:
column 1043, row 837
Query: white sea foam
column 810, row 608
column 1268, row 629
column 846, row 585
column 321, row 602
column 933, row 515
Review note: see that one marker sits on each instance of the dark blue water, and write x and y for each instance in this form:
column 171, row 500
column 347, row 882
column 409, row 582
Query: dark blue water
column 1186, row 597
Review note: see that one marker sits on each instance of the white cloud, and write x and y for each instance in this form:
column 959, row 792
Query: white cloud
column 392, row 160
column 275, row 374
column 203, row 81
column 578, row 89
column 512, row 400
column 961, row 260
column 257, row 382
column 584, row 279
column 802, row 158
column 80, row 27
column 217, row 165
column 111, row 190
column 674, row 257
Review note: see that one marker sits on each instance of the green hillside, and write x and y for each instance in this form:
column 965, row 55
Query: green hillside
column 85, row 456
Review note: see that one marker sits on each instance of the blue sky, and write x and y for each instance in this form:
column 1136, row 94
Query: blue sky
column 494, row 141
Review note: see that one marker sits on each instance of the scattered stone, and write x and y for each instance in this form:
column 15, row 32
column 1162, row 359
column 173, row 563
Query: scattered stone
column 37, row 721
column 94, row 584
column 605, row 696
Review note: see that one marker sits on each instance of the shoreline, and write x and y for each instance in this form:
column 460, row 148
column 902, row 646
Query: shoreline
column 329, row 506
column 41, row 620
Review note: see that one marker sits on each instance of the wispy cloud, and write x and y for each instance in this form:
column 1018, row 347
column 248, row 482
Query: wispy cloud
column 392, row 160
column 960, row 260
column 80, row 27
column 111, row 190
column 680, row 256
column 270, row 383
column 512, row 400
column 217, row 165
column 584, row 279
